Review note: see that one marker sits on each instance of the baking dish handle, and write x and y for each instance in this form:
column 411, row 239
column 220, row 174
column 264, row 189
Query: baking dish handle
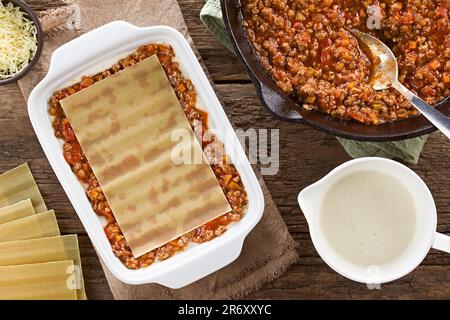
column 196, row 269
column 114, row 32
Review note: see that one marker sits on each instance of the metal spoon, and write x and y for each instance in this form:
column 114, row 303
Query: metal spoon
column 384, row 74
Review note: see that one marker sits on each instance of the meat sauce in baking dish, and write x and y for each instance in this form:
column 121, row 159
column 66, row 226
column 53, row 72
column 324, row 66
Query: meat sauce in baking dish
column 306, row 47
column 226, row 173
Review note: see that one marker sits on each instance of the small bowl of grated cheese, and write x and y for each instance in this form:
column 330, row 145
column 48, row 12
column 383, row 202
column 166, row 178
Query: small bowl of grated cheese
column 21, row 40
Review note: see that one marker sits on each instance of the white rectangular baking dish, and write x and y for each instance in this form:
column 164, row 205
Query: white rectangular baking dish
column 94, row 52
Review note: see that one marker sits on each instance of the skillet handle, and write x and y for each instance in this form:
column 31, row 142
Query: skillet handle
column 281, row 105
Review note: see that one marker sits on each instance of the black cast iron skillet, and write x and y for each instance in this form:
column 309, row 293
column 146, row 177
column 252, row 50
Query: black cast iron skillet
column 289, row 108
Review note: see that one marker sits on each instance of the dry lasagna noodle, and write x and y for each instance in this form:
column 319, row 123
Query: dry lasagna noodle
column 16, row 211
column 36, row 226
column 50, row 249
column 18, row 184
column 49, row 281
column 124, row 125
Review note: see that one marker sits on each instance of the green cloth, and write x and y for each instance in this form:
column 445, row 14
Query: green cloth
column 211, row 16
column 407, row 150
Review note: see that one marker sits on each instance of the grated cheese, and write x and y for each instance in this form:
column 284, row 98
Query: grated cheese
column 18, row 40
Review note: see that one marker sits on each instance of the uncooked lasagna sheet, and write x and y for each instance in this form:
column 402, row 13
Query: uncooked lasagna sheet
column 16, row 211
column 42, row 250
column 40, row 281
column 36, row 226
column 18, row 184
column 125, row 125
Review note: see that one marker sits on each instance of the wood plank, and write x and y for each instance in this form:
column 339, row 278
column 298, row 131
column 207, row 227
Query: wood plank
column 307, row 283
column 305, row 156
column 41, row 5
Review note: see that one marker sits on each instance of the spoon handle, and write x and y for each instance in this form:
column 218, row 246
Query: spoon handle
column 438, row 119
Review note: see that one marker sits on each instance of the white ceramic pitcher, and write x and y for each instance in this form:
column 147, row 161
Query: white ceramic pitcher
column 425, row 236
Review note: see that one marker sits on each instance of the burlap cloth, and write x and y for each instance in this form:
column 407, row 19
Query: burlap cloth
column 268, row 250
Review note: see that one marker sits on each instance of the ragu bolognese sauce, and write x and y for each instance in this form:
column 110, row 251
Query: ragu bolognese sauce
column 306, row 47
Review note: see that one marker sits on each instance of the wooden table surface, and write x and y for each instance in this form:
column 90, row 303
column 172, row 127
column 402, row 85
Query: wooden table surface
column 305, row 156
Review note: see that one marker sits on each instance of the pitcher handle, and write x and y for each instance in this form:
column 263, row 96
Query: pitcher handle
column 441, row 242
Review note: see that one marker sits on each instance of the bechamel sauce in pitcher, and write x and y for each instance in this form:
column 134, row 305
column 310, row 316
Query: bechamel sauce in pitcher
column 368, row 217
